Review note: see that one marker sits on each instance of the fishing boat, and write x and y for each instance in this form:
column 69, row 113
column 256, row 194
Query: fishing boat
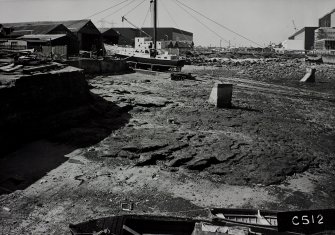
column 266, row 219
column 149, row 54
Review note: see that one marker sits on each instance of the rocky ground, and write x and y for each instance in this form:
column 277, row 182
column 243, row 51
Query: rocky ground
column 178, row 155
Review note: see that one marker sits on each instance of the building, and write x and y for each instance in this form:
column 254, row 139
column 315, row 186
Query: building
column 109, row 36
column 88, row 36
column 325, row 33
column 293, row 45
column 324, row 38
column 49, row 44
column 18, row 30
column 305, row 34
column 13, row 44
column 328, row 20
column 171, row 34
column 127, row 35
column 325, row 44
column 4, row 31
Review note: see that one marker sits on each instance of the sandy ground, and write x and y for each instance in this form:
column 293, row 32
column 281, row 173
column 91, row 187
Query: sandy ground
column 178, row 155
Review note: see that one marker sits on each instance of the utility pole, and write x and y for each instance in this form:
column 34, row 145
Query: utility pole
column 154, row 2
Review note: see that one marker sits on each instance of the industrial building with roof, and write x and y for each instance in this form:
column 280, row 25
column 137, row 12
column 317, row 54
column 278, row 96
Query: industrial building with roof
column 328, row 20
column 109, row 36
column 20, row 29
column 325, row 35
column 86, row 33
column 319, row 38
column 306, row 35
column 44, row 32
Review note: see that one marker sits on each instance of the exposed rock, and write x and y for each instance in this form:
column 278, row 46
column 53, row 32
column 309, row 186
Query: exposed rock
column 151, row 158
column 180, row 160
column 127, row 154
column 177, row 146
column 201, row 163
column 144, row 146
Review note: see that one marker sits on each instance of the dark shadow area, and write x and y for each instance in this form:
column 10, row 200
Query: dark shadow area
column 31, row 157
column 29, row 163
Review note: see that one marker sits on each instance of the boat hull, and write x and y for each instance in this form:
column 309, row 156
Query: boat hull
column 153, row 63
column 140, row 223
column 154, row 224
column 247, row 216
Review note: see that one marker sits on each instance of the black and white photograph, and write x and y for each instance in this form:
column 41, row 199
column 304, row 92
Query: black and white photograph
column 167, row 117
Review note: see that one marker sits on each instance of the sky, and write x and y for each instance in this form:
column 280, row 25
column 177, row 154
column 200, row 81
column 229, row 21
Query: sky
column 256, row 22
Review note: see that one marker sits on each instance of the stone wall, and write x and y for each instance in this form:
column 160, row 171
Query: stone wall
column 93, row 66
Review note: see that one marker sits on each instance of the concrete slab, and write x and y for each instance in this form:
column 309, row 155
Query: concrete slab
column 309, row 76
column 221, row 95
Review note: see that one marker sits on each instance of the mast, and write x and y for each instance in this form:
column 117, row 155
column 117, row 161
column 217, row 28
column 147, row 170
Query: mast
column 155, row 24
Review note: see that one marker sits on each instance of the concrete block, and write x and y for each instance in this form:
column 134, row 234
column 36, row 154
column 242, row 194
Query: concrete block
column 221, row 95
column 309, row 76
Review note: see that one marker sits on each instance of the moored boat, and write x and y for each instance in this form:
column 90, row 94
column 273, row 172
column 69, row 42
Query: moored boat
column 149, row 53
column 267, row 219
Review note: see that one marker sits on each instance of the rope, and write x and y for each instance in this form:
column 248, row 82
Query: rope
column 97, row 13
column 119, row 9
column 185, row 38
column 202, row 23
column 134, row 7
column 146, row 16
column 230, row 30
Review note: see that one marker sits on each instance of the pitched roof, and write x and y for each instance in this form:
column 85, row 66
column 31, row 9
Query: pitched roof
column 108, row 30
column 102, row 30
column 73, row 25
column 32, row 29
column 300, row 31
column 41, row 37
column 149, row 29
column 331, row 12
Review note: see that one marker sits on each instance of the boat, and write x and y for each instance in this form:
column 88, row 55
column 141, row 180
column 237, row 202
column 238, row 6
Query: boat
column 135, row 224
column 259, row 218
column 150, row 54
column 314, row 59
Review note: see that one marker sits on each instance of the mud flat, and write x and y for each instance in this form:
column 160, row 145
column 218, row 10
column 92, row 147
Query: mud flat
column 178, row 155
